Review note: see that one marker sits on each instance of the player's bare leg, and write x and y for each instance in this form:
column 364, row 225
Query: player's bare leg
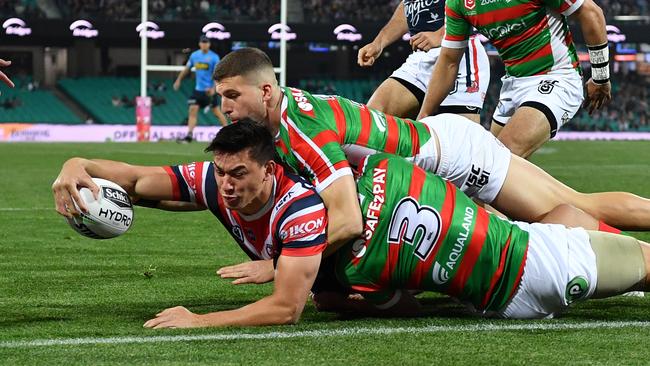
column 220, row 116
column 495, row 128
column 570, row 216
column 527, row 130
column 472, row 117
column 191, row 121
column 529, row 193
column 391, row 97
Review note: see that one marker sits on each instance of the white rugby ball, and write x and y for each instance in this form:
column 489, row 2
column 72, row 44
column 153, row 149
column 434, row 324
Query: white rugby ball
column 109, row 216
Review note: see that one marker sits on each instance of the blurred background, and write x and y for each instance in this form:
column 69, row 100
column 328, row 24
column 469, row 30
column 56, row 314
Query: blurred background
column 77, row 62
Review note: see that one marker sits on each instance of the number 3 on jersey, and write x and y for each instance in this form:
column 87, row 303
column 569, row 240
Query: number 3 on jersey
column 415, row 225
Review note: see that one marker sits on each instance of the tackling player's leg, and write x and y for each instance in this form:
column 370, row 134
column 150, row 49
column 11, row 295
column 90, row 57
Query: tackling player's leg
column 532, row 109
column 483, row 168
column 395, row 98
column 192, row 116
column 576, row 265
column 529, row 193
column 527, row 131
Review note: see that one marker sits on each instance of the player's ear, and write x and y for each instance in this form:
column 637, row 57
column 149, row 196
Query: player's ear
column 267, row 92
column 269, row 169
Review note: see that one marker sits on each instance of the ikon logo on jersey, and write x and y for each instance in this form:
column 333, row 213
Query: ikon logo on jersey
column 470, row 4
column 302, row 229
column 117, row 197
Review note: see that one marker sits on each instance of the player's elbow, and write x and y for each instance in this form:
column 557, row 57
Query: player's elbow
column 289, row 314
column 351, row 229
column 590, row 12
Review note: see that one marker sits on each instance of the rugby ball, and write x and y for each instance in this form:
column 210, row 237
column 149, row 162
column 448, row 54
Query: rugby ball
column 108, row 216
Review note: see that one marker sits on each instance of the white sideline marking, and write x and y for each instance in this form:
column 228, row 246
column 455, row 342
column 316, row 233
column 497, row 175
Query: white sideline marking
column 489, row 327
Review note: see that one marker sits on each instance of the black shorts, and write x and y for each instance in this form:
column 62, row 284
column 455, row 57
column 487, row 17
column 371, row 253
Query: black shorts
column 203, row 99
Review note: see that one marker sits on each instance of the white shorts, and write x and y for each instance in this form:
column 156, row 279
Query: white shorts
column 470, row 157
column 472, row 81
column 557, row 94
column 560, row 269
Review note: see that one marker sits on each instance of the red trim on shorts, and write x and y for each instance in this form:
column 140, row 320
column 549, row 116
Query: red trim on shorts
column 602, row 226
column 475, row 63
column 176, row 190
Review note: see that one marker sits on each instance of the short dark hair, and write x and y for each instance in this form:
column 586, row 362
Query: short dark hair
column 242, row 62
column 242, row 135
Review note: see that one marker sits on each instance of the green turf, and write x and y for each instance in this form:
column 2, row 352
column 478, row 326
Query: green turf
column 54, row 284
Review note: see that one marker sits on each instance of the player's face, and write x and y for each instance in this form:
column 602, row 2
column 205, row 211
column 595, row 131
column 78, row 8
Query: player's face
column 242, row 98
column 204, row 46
column 242, row 182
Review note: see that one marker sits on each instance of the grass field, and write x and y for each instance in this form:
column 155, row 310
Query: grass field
column 65, row 299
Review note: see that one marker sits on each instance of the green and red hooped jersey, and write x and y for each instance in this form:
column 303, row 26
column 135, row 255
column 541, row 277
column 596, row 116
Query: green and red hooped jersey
column 421, row 232
column 318, row 131
column 532, row 36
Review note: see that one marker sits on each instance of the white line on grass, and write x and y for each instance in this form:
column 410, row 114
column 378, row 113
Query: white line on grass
column 486, row 327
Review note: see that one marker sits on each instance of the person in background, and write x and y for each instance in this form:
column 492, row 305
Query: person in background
column 203, row 61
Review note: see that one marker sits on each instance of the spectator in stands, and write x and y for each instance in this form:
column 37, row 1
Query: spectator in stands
column 11, row 102
column 127, row 102
column 158, row 100
column 116, row 101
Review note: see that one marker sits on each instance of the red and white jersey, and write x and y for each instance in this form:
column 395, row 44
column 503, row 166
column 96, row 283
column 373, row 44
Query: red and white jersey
column 292, row 223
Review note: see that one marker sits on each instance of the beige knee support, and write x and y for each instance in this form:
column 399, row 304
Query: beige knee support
column 620, row 263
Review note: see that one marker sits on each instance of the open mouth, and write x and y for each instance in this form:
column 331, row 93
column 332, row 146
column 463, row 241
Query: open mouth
column 231, row 200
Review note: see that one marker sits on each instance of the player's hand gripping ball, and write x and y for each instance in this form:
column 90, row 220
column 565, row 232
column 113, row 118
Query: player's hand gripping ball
column 108, row 216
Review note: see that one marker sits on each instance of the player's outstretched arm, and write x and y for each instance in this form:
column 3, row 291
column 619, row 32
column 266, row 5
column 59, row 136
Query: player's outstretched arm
column 293, row 280
column 181, row 76
column 442, row 80
column 391, row 32
column 343, row 213
column 138, row 181
column 592, row 23
column 5, row 79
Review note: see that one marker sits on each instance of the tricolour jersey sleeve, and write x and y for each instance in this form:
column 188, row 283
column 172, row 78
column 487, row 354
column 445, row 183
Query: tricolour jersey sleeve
column 302, row 227
column 564, row 7
column 188, row 181
column 457, row 28
column 313, row 141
